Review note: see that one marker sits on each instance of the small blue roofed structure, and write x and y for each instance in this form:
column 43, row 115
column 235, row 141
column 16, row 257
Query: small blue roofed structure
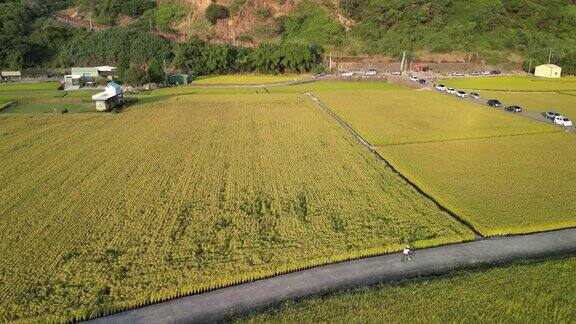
column 111, row 97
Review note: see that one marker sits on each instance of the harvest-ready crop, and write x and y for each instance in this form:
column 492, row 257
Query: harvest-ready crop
column 103, row 212
column 396, row 117
column 490, row 296
column 506, row 185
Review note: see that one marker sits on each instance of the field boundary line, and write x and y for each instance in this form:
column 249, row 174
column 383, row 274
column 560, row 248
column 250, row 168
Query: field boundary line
column 373, row 149
column 552, row 131
column 222, row 304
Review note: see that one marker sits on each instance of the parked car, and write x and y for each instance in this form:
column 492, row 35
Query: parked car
column 486, row 72
column 494, row 103
column 396, row 73
column 474, row 95
column 440, row 87
column 321, row 74
column 347, row 74
column 496, row 72
column 514, row 109
column 462, row 94
column 414, row 78
column 455, row 74
column 372, row 72
column 475, row 73
column 561, row 120
column 451, row 91
column 550, row 114
column 422, row 81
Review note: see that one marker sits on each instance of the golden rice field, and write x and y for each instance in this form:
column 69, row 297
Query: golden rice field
column 399, row 117
column 532, row 292
column 536, row 101
column 513, row 83
column 507, row 185
column 103, row 212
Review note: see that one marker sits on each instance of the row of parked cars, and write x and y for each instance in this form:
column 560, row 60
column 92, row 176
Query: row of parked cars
column 557, row 118
column 476, row 73
column 414, row 78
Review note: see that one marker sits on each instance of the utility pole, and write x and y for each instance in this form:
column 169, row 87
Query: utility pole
column 90, row 19
column 410, row 67
column 402, row 63
column 550, row 57
column 530, row 67
column 150, row 20
column 330, row 62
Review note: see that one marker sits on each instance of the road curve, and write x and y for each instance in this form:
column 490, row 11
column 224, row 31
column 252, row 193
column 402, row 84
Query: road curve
column 223, row 303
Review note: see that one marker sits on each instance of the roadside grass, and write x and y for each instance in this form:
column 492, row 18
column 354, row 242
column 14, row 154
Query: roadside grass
column 244, row 79
column 536, row 102
column 105, row 212
column 513, row 83
column 38, row 86
column 501, row 186
column 524, row 292
column 399, row 117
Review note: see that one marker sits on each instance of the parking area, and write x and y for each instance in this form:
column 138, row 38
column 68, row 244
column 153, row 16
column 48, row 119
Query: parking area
column 548, row 116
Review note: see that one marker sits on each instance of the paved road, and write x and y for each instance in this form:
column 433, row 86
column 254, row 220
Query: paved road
column 218, row 305
column 525, row 113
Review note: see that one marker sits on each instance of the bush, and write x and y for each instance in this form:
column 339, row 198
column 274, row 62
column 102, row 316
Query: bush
column 215, row 12
column 135, row 8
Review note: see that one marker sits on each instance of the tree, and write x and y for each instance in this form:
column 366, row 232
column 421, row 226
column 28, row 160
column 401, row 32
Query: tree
column 215, row 12
column 135, row 75
column 156, row 71
column 266, row 58
column 188, row 56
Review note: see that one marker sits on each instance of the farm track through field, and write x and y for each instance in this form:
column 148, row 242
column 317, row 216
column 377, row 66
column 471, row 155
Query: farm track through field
column 373, row 149
column 221, row 304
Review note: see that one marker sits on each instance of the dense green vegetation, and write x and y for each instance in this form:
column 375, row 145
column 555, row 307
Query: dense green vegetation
column 528, row 27
column 489, row 29
column 529, row 292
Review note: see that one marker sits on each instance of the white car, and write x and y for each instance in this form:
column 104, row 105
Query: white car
column 561, row 120
column 347, row 74
column 371, row 72
column 474, row 95
column 414, row 78
column 451, row 91
column 396, row 73
column 461, row 94
column 440, row 87
column 486, row 72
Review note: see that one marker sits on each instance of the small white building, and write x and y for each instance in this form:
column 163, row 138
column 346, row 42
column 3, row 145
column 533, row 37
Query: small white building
column 111, row 97
column 10, row 75
column 73, row 80
column 548, row 71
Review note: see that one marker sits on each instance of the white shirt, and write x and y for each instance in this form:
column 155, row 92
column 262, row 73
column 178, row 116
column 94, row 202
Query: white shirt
column 407, row 251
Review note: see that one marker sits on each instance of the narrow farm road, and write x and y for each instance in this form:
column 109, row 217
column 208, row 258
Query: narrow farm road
column 220, row 304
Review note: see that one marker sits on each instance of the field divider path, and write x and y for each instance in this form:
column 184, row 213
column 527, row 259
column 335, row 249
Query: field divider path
column 374, row 150
column 221, row 304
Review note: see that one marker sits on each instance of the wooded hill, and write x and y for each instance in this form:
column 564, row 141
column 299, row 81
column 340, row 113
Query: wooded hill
column 495, row 30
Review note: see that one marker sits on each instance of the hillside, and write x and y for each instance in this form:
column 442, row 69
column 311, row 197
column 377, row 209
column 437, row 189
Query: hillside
column 442, row 30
